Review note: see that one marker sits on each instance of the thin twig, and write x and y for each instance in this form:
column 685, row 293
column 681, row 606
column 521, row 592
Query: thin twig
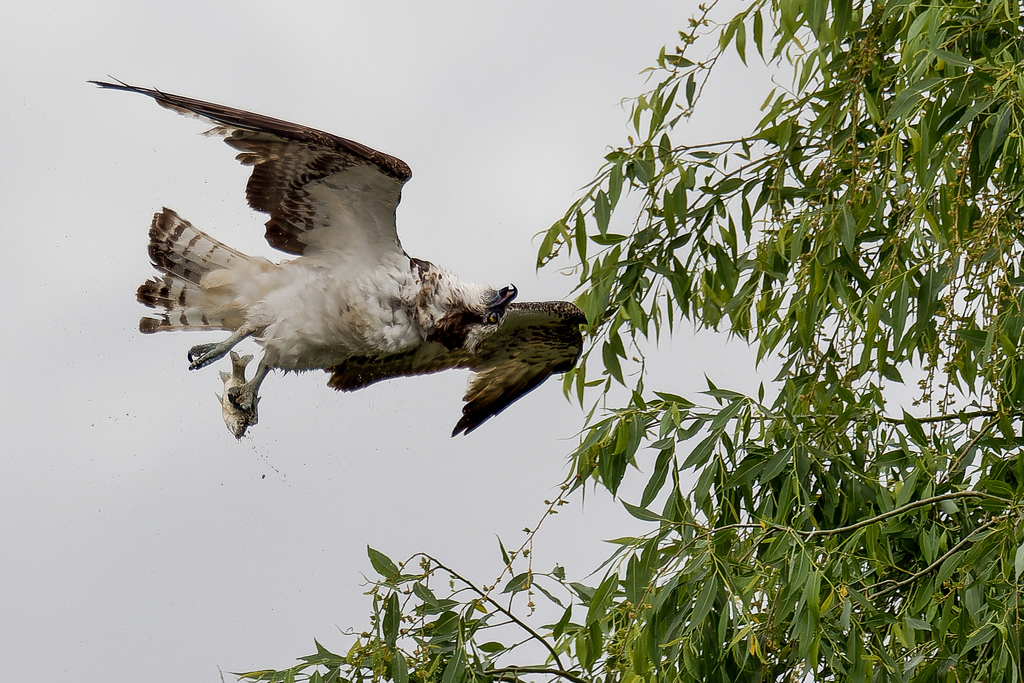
column 557, row 502
column 536, row 670
column 507, row 613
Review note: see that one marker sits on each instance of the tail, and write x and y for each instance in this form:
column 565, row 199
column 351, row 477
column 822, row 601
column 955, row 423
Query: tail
column 184, row 254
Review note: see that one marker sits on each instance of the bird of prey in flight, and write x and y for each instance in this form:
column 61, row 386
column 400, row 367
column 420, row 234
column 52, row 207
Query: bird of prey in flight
column 351, row 302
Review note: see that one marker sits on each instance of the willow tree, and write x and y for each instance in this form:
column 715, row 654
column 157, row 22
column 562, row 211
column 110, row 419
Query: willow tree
column 867, row 230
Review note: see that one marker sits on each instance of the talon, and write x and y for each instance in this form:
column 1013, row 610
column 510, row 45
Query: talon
column 201, row 355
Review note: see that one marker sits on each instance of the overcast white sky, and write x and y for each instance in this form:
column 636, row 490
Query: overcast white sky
column 138, row 540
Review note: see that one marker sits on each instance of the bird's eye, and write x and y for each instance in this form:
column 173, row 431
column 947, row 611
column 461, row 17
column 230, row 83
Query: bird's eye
column 492, row 318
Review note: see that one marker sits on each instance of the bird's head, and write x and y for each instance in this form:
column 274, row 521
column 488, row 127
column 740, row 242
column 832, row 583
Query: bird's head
column 497, row 303
column 467, row 327
column 494, row 305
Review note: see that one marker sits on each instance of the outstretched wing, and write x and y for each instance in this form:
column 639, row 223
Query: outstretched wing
column 534, row 341
column 322, row 192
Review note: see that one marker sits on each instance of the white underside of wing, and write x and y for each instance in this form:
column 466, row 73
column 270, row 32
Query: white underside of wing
column 354, row 214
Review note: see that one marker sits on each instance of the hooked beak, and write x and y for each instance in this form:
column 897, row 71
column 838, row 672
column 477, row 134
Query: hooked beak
column 503, row 297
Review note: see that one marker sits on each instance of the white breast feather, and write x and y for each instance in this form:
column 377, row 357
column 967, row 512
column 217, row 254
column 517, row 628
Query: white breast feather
column 316, row 317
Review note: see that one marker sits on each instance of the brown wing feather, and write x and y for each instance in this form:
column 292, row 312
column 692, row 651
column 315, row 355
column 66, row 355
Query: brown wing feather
column 361, row 371
column 289, row 160
column 534, row 341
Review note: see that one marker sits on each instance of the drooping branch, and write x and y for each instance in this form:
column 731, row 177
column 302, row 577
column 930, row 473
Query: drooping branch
column 537, row 670
column 967, row 414
column 900, row 510
column 934, row 565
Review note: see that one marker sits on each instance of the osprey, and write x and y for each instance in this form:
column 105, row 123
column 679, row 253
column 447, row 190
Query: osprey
column 353, row 302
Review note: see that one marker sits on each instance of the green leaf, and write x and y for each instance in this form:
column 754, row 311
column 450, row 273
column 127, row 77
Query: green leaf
column 492, row 647
column 504, row 555
column 700, row 454
column 540, row 588
column 673, row 398
column 399, row 669
column 980, row 637
column 705, row 600
column 611, row 362
column 642, row 513
column 602, row 211
column 580, row 236
column 424, row 594
column 995, row 133
column 759, row 33
column 598, row 604
column 518, row 583
column 952, row 58
column 382, row 564
column 637, row 577
column 909, row 97
column 454, row 672
column 609, row 239
column 392, row 619
column 915, row 429
column 900, row 309
column 657, row 480
column 776, row 465
column 891, row 372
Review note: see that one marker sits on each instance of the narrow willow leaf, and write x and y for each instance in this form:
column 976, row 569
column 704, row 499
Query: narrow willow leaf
column 952, row 58
column 602, row 211
column 759, row 33
column 915, row 429
column 642, row 513
column 382, row 564
column 611, row 362
column 980, row 637
column 580, row 236
column 615, row 180
column 741, row 40
column 602, row 597
column 518, row 583
column 909, row 97
column 776, row 465
column 657, row 480
column 453, row 673
column 700, row 454
column 504, row 555
column 399, row 668
column 392, row 619
column 705, row 600
column 900, row 310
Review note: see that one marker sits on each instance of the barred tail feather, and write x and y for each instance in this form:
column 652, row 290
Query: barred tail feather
column 179, row 248
column 184, row 254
